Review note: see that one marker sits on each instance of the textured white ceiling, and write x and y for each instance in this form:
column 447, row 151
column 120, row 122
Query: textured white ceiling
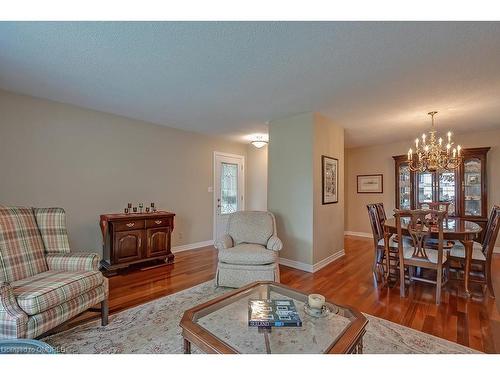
column 378, row 80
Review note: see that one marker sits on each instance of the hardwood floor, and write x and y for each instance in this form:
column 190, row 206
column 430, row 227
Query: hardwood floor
column 349, row 280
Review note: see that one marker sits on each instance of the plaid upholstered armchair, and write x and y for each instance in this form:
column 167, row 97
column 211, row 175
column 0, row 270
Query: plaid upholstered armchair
column 42, row 284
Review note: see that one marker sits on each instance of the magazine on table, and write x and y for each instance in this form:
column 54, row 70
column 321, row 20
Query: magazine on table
column 273, row 313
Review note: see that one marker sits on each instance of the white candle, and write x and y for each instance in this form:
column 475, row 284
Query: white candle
column 316, row 301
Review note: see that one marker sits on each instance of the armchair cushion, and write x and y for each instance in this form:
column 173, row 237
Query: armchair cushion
column 48, row 289
column 274, row 243
column 224, row 242
column 21, row 246
column 52, row 225
column 247, row 254
column 251, row 227
column 73, row 262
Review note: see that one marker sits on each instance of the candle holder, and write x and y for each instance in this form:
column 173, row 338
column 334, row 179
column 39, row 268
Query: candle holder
column 141, row 206
column 134, row 210
column 129, row 206
column 126, row 210
column 147, row 210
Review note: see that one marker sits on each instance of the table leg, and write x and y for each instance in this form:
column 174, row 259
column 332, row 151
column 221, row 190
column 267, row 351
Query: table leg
column 187, row 347
column 468, row 260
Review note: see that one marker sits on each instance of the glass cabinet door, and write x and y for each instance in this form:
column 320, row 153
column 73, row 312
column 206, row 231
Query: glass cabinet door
column 425, row 186
column 447, row 190
column 404, row 187
column 472, row 187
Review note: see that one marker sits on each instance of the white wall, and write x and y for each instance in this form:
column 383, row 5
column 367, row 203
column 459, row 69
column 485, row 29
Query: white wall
column 328, row 221
column 290, row 181
column 311, row 231
column 89, row 162
column 256, row 175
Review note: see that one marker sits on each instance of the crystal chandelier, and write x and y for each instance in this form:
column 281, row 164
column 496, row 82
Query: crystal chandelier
column 432, row 155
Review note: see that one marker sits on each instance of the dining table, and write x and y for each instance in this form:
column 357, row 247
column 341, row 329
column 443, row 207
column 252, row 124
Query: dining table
column 454, row 229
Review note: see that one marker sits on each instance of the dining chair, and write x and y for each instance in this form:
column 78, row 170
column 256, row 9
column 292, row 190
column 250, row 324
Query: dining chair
column 377, row 216
column 482, row 253
column 416, row 253
column 436, row 206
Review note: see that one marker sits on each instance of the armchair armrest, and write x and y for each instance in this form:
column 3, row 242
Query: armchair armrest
column 73, row 262
column 11, row 315
column 274, row 243
column 225, row 242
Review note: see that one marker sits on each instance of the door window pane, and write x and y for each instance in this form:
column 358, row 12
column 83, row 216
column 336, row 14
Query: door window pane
column 229, row 188
column 447, row 190
column 425, row 187
column 472, row 183
column 404, row 187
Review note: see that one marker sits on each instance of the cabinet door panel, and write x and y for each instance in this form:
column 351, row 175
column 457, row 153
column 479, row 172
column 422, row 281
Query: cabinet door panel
column 128, row 246
column 158, row 241
column 447, row 190
column 473, row 202
column 425, row 192
column 404, row 193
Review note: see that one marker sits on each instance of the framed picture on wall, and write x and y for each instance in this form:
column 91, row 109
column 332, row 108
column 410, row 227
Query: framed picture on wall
column 370, row 183
column 330, row 179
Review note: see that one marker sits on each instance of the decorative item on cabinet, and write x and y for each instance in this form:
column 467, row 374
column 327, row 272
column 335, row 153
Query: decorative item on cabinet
column 136, row 238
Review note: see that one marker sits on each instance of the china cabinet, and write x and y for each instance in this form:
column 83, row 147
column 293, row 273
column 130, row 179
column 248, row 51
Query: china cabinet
column 464, row 188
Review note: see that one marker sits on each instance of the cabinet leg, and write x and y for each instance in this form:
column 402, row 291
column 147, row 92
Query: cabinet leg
column 187, row 347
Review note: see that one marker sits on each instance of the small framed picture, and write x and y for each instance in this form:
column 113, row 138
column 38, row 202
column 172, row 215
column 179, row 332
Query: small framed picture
column 370, row 183
column 330, row 176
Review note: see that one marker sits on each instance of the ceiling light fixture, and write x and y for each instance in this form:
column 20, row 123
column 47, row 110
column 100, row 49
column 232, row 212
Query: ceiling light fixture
column 432, row 154
column 259, row 141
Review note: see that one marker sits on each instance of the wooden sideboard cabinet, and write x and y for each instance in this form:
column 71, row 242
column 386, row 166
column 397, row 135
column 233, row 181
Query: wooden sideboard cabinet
column 135, row 238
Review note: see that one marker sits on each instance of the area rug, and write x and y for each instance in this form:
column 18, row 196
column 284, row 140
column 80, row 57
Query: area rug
column 154, row 328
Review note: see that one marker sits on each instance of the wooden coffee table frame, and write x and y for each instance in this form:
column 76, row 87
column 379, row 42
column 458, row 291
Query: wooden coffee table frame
column 349, row 341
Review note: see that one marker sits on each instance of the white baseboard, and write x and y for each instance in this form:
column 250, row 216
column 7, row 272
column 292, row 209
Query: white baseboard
column 358, row 234
column 192, row 246
column 312, row 267
column 298, row 265
column 325, row 262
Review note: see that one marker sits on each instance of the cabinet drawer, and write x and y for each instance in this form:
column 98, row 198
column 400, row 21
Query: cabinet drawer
column 159, row 222
column 128, row 225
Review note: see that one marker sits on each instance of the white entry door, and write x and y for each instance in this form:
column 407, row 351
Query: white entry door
column 229, row 191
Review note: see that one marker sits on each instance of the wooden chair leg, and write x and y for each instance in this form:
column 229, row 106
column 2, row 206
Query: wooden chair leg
column 104, row 312
column 401, row 279
column 489, row 282
column 439, row 281
column 375, row 265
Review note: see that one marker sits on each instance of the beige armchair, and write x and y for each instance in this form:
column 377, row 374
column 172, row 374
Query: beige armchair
column 248, row 252
column 42, row 284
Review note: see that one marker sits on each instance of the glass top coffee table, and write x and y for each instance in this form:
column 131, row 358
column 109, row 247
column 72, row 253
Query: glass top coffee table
column 221, row 326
